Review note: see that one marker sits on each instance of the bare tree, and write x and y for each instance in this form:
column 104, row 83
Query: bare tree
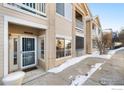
column 104, row 42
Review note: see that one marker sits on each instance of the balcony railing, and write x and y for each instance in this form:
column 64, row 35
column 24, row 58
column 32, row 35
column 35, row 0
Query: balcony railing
column 35, row 8
column 79, row 24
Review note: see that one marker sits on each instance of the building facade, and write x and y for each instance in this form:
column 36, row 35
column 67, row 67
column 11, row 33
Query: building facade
column 96, row 32
column 40, row 34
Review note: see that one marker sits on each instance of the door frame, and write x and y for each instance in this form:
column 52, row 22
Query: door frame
column 21, row 62
column 19, row 21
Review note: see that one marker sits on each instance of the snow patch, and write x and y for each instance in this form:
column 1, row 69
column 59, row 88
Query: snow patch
column 80, row 79
column 102, row 56
column 68, row 63
column 112, row 52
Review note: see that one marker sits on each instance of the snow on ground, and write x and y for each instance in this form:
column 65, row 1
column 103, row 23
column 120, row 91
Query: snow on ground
column 75, row 60
column 68, row 63
column 106, row 56
column 102, row 56
column 80, row 79
column 112, row 52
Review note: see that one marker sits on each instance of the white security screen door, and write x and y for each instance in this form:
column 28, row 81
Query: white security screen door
column 28, row 51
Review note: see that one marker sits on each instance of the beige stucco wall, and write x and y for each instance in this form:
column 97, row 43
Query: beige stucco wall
column 63, row 26
column 1, row 45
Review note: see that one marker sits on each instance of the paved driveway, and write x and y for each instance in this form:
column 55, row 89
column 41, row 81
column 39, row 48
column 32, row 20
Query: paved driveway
column 111, row 73
column 65, row 77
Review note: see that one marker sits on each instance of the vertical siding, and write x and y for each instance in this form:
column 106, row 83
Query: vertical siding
column 1, row 45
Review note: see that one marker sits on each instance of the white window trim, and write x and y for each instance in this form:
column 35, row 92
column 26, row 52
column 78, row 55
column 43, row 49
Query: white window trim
column 64, row 37
column 42, row 38
column 79, row 34
column 79, row 28
column 8, row 19
column 60, row 58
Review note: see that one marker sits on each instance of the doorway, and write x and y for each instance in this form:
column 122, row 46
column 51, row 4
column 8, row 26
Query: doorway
column 22, row 52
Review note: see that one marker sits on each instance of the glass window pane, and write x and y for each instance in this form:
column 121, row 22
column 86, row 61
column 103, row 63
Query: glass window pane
column 68, row 11
column 28, row 44
column 60, row 45
column 28, row 58
column 42, row 48
column 67, row 47
column 15, row 50
column 60, row 8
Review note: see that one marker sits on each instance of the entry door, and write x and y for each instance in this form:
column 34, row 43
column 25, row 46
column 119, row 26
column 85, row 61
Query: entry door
column 28, row 51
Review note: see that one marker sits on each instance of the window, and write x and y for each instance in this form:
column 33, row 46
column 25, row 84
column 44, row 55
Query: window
column 63, row 47
column 60, row 48
column 28, row 51
column 15, row 50
column 60, row 8
column 42, row 48
column 79, row 42
column 64, row 10
column 28, row 44
column 68, row 11
column 67, row 47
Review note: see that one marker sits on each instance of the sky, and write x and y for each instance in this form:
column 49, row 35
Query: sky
column 111, row 15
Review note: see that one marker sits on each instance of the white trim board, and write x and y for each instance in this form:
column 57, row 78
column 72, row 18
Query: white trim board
column 5, row 46
column 65, row 37
column 25, row 22
column 79, row 34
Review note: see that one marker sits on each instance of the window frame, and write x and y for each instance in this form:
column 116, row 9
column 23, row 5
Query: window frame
column 42, row 50
column 39, row 47
column 64, row 16
column 68, row 49
column 64, row 48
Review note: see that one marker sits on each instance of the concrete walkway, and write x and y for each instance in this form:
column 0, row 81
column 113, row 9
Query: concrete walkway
column 110, row 73
column 65, row 77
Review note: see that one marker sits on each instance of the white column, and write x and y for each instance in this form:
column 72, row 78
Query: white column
column 5, row 46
